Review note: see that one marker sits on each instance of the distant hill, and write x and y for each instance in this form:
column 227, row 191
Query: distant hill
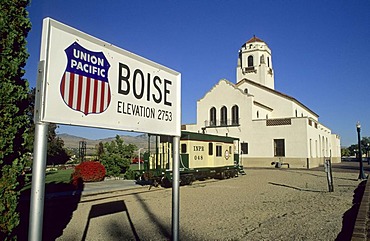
column 71, row 141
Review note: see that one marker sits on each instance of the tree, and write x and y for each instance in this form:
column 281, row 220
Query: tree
column 353, row 149
column 56, row 152
column 99, row 150
column 345, row 152
column 116, row 157
column 14, row 122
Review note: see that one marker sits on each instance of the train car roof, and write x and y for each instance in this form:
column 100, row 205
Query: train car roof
column 186, row 135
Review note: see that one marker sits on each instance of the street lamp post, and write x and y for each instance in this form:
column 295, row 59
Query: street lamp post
column 362, row 173
column 140, row 157
column 367, row 153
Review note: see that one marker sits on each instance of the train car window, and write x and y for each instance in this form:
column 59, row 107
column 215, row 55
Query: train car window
column 218, row 150
column 230, row 149
column 183, row 148
column 210, row 149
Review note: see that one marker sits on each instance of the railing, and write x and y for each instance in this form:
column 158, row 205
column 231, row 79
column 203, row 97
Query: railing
column 221, row 123
column 250, row 70
column 278, row 122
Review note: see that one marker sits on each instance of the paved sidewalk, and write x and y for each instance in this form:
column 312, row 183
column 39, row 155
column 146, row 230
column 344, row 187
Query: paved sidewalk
column 94, row 188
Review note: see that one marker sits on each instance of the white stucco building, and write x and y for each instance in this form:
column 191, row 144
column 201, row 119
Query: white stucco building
column 271, row 126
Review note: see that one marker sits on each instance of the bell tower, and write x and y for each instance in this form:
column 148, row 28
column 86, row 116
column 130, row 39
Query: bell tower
column 255, row 63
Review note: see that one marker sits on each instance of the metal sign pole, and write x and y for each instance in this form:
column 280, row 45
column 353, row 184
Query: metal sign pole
column 38, row 182
column 39, row 162
column 175, row 189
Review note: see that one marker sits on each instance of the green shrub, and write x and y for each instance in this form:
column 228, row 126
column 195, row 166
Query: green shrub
column 130, row 174
column 116, row 156
column 89, row 171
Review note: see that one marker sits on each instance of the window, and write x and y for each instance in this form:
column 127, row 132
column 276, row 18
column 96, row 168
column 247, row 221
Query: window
column 183, row 148
column 279, row 147
column 210, row 149
column 268, row 61
column 258, row 114
column 212, row 116
column 235, row 115
column 250, row 61
column 245, row 91
column 223, row 116
column 218, row 150
column 244, row 147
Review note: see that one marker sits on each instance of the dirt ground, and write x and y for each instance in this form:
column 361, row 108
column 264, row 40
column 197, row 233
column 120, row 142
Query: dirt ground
column 265, row 204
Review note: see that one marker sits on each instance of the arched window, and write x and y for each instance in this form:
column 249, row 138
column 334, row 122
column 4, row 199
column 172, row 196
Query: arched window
column 223, row 116
column 235, row 115
column 262, row 59
column 212, row 116
column 250, row 61
column 245, row 91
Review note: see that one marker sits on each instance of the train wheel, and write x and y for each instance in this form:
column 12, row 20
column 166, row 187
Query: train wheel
column 236, row 174
column 165, row 182
column 222, row 175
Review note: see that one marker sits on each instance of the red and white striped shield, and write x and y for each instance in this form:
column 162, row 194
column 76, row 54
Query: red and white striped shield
column 84, row 86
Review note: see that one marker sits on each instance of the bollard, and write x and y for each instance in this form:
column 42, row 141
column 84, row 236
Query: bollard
column 329, row 175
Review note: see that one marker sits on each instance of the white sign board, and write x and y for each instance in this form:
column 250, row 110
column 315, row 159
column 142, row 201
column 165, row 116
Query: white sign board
column 89, row 82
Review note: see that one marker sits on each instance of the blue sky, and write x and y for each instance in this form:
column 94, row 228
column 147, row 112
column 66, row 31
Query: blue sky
column 320, row 49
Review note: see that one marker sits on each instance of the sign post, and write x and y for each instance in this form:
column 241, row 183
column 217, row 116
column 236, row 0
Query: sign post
column 87, row 82
column 175, row 189
column 38, row 165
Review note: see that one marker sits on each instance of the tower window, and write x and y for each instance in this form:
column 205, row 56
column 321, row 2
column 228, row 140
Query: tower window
column 235, row 115
column 250, row 61
column 223, row 116
column 268, row 61
column 212, row 116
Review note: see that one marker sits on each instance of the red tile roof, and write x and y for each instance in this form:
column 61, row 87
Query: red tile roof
column 255, row 39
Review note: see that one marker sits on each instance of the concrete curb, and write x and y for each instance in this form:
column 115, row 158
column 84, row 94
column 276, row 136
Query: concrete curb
column 360, row 230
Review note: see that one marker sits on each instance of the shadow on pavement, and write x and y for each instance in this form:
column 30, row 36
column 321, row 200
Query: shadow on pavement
column 116, row 233
column 163, row 228
column 349, row 217
column 61, row 201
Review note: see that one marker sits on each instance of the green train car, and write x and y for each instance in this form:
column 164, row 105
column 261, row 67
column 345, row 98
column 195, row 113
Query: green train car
column 202, row 156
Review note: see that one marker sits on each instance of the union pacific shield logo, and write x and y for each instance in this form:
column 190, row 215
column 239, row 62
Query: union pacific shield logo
column 84, row 86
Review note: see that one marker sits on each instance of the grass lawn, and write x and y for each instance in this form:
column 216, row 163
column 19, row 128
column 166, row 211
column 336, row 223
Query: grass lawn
column 135, row 167
column 60, row 176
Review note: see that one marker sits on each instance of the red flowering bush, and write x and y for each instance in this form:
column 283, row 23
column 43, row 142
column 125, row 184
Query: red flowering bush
column 89, row 171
